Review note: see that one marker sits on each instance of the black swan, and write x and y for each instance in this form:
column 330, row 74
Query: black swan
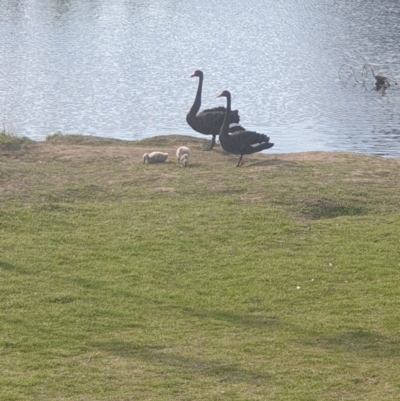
column 209, row 121
column 241, row 142
column 380, row 81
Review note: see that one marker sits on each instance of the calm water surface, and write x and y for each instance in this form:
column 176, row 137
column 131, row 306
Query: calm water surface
column 121, row 68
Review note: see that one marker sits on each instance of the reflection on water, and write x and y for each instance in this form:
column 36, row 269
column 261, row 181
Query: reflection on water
column 121, row 69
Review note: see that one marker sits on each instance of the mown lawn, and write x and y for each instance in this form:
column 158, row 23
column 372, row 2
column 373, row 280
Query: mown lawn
column 278, row 280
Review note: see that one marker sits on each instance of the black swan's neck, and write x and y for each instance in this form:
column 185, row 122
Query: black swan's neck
column 225, row 126
column 197, row 102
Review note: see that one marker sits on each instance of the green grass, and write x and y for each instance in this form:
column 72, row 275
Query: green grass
column 124, row 281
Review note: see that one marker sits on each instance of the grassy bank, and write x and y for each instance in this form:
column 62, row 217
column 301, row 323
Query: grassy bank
column 278, row 280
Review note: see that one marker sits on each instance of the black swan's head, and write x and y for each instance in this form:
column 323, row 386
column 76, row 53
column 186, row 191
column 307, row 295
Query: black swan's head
column 224, row 94
column 197, row 73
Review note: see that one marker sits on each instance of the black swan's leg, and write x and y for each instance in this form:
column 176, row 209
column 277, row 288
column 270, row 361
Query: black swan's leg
column 206, row 147
column 212, row 142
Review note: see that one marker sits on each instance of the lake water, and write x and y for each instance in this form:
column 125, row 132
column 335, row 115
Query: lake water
column 120, row 68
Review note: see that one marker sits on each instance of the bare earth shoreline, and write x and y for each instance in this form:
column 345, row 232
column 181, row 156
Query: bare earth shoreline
column 60, row 158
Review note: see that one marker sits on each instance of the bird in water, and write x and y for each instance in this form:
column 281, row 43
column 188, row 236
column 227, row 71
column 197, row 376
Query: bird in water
column 240, row 142
column 209, row 121
column 381, row 82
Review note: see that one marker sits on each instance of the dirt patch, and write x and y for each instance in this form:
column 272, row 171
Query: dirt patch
column 63, row 166
column 82, row 154
column 76, row 148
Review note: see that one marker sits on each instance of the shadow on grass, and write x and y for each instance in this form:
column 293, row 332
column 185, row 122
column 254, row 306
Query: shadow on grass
column 234, row 318
column 87, row 283
column 360, row 341
column 8, row 267
column 160, row 355
column 323, row 209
